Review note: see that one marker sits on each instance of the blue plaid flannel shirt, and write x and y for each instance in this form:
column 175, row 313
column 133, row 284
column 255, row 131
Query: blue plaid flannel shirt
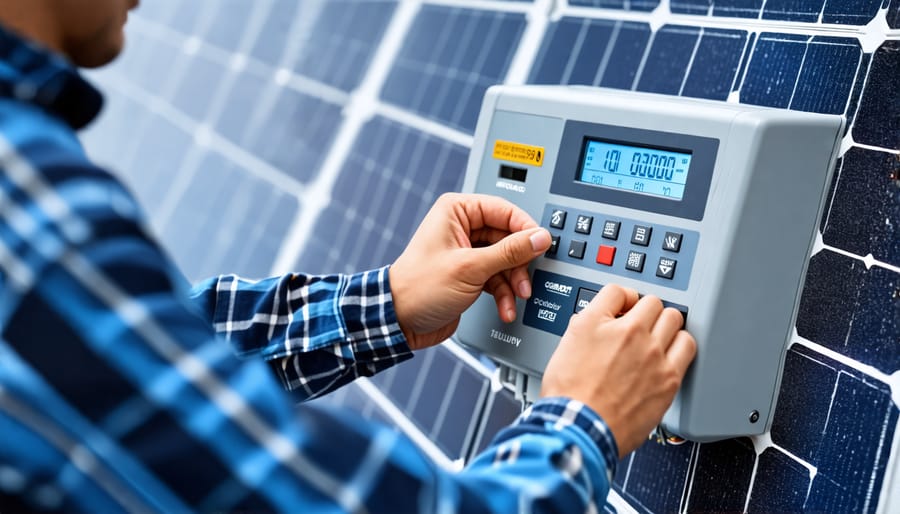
column 117, row 394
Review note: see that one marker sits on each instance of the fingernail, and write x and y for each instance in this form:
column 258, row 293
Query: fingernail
column 540, row 240
column 524, row 289
column 511, row 315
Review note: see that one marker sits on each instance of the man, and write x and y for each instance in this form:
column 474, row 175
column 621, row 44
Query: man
column 116, row 394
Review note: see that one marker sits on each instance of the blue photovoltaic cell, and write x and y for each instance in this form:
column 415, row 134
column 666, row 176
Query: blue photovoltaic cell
column 737, row 8
column 295, row 134
column 722, row 476
column 608, row 53
column 793, row 10
column 695, row 7
column 501, row 409
column 893, row 14
column 388, row 182
column 827, row 76
column 878, row 120
column 193, row 95
column 847, row 308
column 448, row 60
column 865, row 206
column 227, row 213
column 340, row 44
column 802, row 73
column 656, row 477
column 850, row 12
column 628, row 5
column 668, row 60
column 715, row 64
column 781, row 484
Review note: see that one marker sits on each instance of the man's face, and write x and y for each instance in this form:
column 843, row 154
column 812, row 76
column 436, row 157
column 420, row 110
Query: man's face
column 92, row 30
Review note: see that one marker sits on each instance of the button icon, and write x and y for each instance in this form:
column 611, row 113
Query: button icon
column 583, row 224
column 611, row 230
column 635, row 261
column 666, row 268
column 606, row 255
column 554, row 245
column 641, row 235
column 558, row 219
column 672, row 242
column 576, row 249
column 584, row 298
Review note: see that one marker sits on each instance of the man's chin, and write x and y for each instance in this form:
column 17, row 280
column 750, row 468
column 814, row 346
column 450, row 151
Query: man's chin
column 99, row 56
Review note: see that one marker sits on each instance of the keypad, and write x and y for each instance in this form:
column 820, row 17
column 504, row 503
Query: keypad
column 669, row 252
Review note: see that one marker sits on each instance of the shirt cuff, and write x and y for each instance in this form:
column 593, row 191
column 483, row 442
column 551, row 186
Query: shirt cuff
column 367, row 308
column 564, row 412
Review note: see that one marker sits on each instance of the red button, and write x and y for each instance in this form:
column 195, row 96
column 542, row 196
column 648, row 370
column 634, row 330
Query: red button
column 606, row 254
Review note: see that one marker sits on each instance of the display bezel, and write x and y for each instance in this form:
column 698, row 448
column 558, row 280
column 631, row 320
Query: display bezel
column 579, row 176
column 570, row 163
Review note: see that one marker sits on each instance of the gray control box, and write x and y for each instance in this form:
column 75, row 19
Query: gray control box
column 711, row 206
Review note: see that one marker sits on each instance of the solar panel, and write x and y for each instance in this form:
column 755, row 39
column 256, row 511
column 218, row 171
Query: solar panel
column 322, row 131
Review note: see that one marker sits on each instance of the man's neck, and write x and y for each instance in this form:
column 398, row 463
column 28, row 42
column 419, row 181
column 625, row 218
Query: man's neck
column 33, row 20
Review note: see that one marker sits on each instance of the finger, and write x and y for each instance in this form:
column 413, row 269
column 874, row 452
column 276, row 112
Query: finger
column 488, row 235
column 511, row 252
column 647, row 311
column 493, row 211
column 682, row 351
column 610, row 301
column 500, row 289
column 668, row 324
column 519, row 278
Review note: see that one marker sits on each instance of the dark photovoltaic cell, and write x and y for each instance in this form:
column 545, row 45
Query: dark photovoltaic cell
column 878, row 120
column 388, row 182
column 591, row 52
column 793, row 10
column 847, row 308
column 442, row 395
column 448, row 60
column 722, row 476
column 864, row 197
column 844, row 440
column 500, row 410
column 682, row 60
column 781, row 484
column 655, row 477
column 801, row 72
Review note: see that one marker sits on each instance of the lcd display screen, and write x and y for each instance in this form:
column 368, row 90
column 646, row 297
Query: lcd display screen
column 636, row 169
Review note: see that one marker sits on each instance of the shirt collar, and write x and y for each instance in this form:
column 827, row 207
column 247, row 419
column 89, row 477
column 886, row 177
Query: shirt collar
column 32, row 74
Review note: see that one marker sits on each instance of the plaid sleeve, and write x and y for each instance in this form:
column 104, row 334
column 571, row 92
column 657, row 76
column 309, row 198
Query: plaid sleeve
column 317, row 332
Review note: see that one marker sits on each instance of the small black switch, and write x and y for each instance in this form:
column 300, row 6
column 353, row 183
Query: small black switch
column 513, row 173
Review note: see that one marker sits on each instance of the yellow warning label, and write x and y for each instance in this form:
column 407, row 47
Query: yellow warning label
column 517, row 152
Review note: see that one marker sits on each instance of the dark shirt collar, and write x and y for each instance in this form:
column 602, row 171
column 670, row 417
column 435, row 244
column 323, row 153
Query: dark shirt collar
column 32, row 74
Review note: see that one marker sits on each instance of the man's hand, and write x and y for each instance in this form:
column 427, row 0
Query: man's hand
column 466, row 244
column 627, row 369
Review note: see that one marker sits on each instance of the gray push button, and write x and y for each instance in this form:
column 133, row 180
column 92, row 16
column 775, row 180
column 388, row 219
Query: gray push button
column 666, row 268
column 576, row 249
column 635, row 261
column 611, row 229
column 554, row 245
column 558, row 218
column 641, row 235
column 583, row 224
column 584, row 298
column 672, row 242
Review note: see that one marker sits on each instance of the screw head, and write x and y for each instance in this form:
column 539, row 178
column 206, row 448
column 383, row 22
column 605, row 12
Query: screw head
column 754, row 416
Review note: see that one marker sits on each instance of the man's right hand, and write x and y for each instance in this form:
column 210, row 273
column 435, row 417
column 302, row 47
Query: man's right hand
column 626, row 368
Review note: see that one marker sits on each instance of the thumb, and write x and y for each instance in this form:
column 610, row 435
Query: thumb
column 513, row 250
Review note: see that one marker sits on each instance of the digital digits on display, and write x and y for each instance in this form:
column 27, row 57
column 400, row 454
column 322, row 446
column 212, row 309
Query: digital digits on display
column 636, row 169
